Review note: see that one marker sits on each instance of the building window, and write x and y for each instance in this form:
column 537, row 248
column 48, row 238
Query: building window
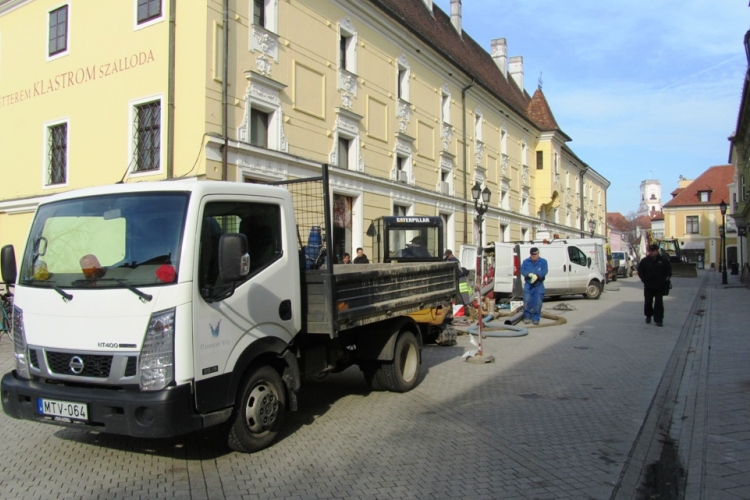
column 478, row 129
column 259, row 12
column 148, row 10
column 540, row 160
column 57, row 154
column 58, row 30
column 147, row 139
column 258, row 128
column 403, row 82
column 347, row 48
column 691, row 224
column 402, row 168
column 703, row 196
column 343, row 154
column 445, row 108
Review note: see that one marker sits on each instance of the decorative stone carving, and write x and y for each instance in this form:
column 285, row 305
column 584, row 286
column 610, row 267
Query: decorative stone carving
column 479, row 153
column 404, row 115
column 446, row 135
column 525, row 175
column 504, row 164
column 263, row 65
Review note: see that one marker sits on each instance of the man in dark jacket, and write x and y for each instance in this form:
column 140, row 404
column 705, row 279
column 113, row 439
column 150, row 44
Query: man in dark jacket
column 654, row 271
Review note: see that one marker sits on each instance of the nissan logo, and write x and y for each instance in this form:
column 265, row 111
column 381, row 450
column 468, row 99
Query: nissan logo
column 76, row 365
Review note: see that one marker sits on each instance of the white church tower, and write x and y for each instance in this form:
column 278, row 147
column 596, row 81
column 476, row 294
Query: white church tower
column 650, row 197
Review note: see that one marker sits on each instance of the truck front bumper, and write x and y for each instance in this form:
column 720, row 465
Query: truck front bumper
column 167, row 413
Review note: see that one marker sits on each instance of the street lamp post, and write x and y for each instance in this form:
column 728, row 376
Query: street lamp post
column 481, row 209
column 592, row 226
column 723, row 210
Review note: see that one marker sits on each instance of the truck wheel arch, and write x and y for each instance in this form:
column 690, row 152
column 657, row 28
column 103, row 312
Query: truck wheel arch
column 267, row 350
column 378, row 341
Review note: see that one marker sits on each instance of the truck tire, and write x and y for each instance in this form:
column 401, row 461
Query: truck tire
column 371, row 371
column 402, row 373
column 593, row 291
column 259, row 411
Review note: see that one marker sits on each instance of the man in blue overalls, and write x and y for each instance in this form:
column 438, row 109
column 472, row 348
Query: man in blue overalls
column 533, row 270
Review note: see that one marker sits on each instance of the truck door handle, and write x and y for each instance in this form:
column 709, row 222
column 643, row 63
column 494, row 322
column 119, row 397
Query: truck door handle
column 285, row 310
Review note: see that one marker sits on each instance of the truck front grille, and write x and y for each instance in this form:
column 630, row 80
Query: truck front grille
column 93, row 365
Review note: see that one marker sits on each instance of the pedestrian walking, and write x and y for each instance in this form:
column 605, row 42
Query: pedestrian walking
column 361, row 258
column 533, row 270
column 654, row 271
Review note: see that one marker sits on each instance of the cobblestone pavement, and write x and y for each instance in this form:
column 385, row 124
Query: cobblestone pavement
column 562, row 414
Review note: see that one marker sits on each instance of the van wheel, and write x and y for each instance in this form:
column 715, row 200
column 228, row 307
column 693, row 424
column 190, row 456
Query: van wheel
column 593, row 291
column 259, row 412
column 402, row 373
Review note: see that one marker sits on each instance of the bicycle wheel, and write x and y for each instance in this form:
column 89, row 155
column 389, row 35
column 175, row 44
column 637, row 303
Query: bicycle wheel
column 6, row 320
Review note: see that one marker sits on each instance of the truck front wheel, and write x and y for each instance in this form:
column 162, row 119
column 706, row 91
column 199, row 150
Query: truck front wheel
column 259, row 412
column 401, row 375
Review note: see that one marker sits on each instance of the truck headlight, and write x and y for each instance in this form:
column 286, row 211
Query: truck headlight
column 19, row 344
column 157, row 353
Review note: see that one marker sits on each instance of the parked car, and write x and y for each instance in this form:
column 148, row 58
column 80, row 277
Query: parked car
column 623, row 264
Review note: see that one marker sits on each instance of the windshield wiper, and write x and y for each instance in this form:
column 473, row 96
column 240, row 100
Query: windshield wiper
column 66, row 296
column 143, row 296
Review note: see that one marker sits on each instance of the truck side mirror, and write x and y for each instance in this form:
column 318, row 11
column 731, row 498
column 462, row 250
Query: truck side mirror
column 8, row 264
column 588, row 261
column 234, row 260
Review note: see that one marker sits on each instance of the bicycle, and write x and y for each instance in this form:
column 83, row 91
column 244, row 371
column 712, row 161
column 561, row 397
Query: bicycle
column 6, row 327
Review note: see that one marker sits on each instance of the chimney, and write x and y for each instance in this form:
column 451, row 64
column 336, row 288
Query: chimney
column 499, row 48
column 456, row 16
column 515, row 68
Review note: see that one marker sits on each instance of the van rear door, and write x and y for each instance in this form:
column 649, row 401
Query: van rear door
column 507, row 270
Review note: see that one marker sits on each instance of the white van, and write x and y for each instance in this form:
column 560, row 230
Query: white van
column 623, row 264
column 571, row 270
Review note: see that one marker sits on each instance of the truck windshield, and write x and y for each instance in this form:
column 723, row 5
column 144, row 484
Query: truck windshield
column 121, row 240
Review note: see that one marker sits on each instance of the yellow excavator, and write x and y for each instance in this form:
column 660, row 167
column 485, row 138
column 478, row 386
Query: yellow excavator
column 670, row 248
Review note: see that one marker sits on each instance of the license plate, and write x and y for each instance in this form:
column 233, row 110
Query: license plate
column 67, row 409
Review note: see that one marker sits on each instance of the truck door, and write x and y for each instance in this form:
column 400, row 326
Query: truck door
column 227, row 318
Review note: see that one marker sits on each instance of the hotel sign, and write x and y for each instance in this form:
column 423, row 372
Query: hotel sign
column 78, row 76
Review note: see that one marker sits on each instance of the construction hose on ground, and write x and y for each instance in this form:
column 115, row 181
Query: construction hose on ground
column 498, row 328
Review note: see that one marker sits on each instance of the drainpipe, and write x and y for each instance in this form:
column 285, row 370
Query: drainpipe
column 583, row 213
column 466, row 158
column 170, row 90
column 225, row 93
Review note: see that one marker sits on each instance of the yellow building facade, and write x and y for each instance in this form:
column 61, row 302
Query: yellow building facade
column 693, row 216
column 410, row 111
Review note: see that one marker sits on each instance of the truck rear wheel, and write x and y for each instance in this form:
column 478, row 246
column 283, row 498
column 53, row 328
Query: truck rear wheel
column 593, row 291
column 371, row 371
column 259, row 412
column 401, row 375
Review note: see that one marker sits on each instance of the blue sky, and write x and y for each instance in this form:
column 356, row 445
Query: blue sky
column 647, row 89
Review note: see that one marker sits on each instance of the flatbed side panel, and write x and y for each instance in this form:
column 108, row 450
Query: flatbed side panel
column 374, row 292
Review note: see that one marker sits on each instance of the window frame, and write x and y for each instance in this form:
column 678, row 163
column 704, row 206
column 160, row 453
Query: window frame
column 133, row 145
column 347, row 47
column 65, row 51
column 48, row 126
column 148, row 21
column 692, row 224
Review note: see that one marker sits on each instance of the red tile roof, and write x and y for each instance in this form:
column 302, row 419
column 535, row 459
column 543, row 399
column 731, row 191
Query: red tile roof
column 539, row 111
column 715, row 180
